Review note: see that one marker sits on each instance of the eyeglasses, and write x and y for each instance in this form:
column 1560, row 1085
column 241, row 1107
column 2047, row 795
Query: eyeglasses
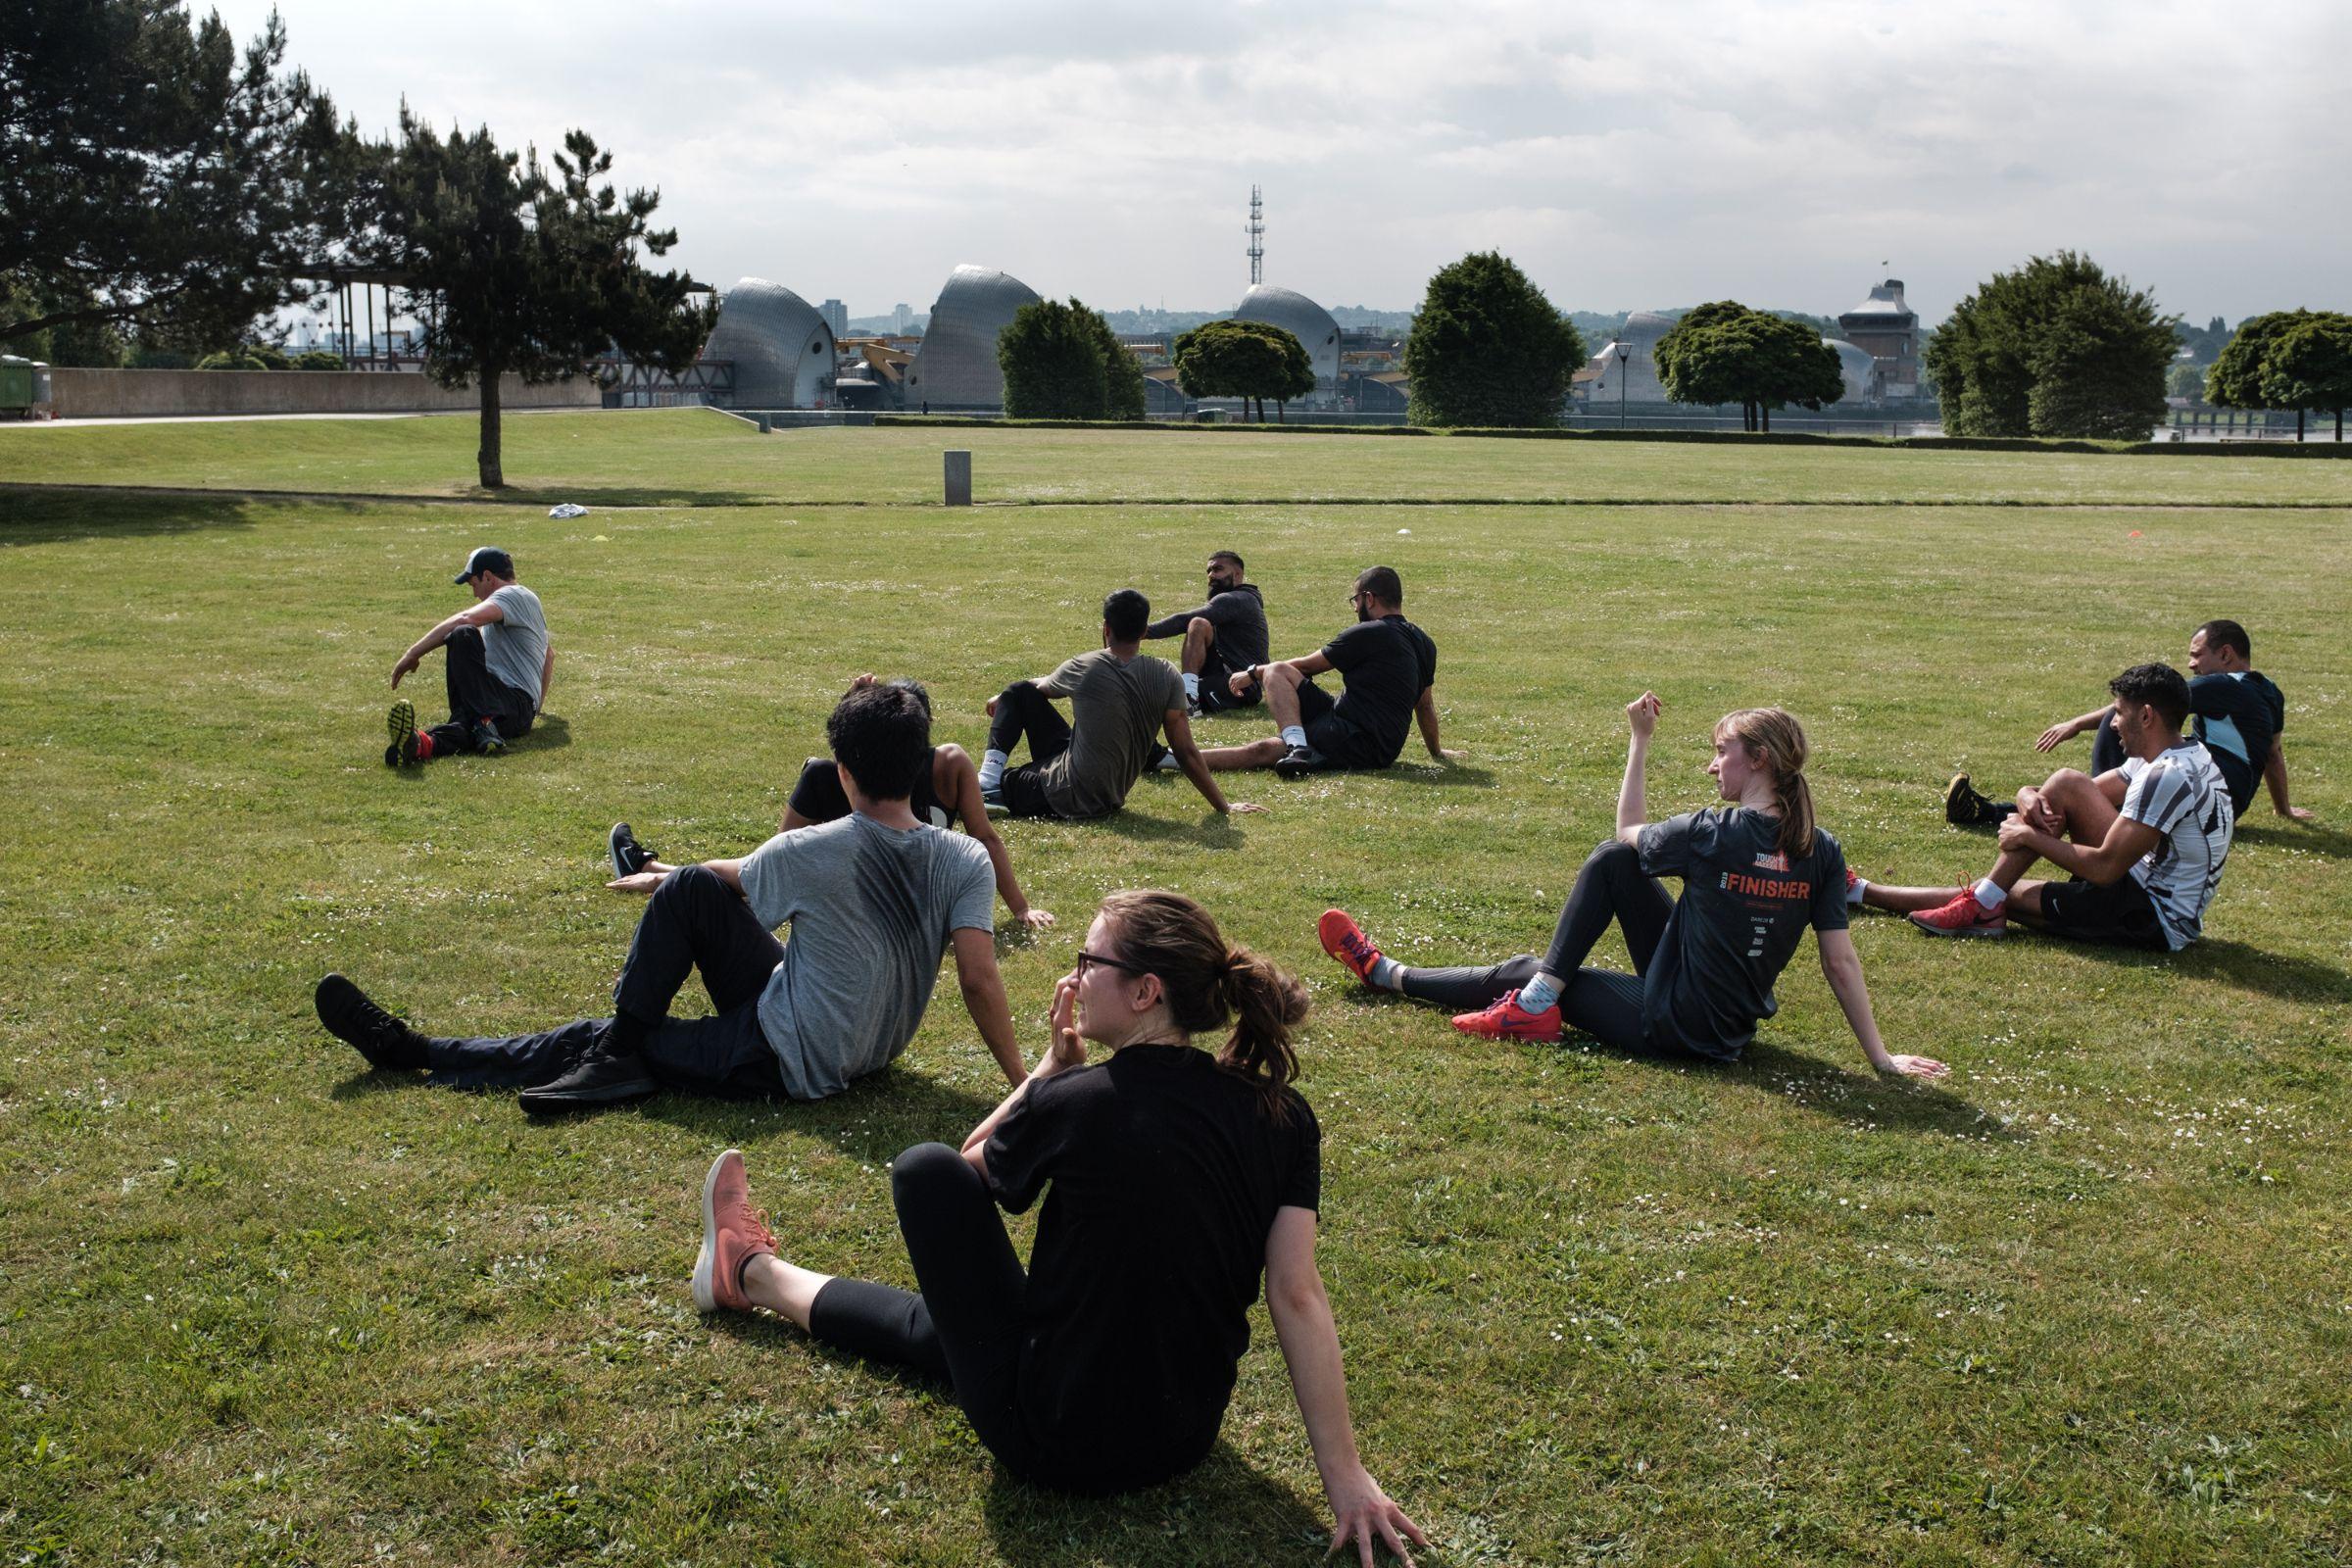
column 1123, row 966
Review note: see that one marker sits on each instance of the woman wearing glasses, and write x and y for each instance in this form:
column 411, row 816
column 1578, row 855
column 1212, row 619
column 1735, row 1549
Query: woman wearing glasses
column 1171, row 1179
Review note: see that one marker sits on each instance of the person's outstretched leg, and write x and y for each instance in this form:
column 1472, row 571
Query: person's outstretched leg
column 511, row 1062
column 1472, row 987
column 1021, row 712
column 1610, row 886
column 2081, row 812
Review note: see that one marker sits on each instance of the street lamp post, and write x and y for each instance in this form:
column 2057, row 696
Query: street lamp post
column 1624, row 353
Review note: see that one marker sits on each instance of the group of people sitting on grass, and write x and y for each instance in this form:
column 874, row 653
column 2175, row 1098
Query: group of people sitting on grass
column 1176, row 1178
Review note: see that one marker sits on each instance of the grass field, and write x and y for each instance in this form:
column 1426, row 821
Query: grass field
column 2089, row 1301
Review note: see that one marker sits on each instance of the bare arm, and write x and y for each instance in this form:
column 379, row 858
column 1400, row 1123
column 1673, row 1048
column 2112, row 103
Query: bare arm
column 547, row 673
column 1311, row 1350
column 2273, row 774
column 974, row 812
column 1842, row 966
column 728, row 871
column 1425, row 713
column 1067, row 1051
column 983, row 991
column 1179, row 730
column 2066, row 729
column 480, row 615
column 2103, row 862
column 1633, row 806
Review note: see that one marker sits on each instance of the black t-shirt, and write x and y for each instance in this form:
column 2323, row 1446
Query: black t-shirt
column 1165, row 1172
column 820, row 796
column 1239, row 615
column 2238, row 715
column 1744, row 908
column 1387, row 665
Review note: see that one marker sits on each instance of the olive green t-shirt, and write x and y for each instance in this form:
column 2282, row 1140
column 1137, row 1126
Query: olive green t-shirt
column 1116, row 708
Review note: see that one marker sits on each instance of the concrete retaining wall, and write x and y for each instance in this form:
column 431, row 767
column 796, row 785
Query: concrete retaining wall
column 85, row 394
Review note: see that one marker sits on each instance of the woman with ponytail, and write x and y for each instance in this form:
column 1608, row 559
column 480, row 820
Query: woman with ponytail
column 1755, row 874
column 1172, row 1180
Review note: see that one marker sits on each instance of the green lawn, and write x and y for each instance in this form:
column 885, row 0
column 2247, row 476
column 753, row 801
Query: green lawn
column 701, row 458
column 2087, row 1303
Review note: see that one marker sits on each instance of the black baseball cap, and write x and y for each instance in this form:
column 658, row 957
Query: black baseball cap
column 489, row 558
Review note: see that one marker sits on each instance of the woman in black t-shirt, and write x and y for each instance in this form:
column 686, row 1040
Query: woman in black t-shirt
column 1754, row 876
column 1172, row 1181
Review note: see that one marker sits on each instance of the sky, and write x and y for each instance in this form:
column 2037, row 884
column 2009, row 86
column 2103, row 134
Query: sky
column 1626, row 157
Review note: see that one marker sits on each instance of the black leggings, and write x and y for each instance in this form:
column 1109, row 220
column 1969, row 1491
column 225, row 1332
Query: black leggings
column 969, row 1324
column 476, row 694
column 693, row 921
column 1601, row 1002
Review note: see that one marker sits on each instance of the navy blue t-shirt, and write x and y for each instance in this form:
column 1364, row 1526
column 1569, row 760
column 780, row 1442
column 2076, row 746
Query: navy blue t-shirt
column 1744, row 909
column 2238, row 717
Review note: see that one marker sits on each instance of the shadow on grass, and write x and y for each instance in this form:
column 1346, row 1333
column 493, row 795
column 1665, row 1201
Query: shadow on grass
column 594, row 496
column 548, row 734
column 2250, row 968
column 875, row 1120
column 1899, row 1104
column 34, row 516
column 1208, row 831
column 1224, row 1511
column 2334, row 843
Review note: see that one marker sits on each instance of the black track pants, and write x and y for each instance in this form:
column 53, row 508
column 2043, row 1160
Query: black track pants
column 474, row 693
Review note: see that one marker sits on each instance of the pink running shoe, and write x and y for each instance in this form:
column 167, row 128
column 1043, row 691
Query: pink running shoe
column 732, row 1236
column 1508, row 1020
column 1962, row 916
column 1346, row 941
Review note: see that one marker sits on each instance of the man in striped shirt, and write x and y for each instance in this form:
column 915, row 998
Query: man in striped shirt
column 2144, row 843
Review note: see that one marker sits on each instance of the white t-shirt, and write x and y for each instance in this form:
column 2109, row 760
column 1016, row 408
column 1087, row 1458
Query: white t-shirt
column 516, row 648
column 2182, row 794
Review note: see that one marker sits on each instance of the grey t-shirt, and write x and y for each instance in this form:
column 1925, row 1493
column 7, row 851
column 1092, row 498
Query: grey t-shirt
column 516, row 648
column 871, row 909
column 1744, row 909
column 1117, row 710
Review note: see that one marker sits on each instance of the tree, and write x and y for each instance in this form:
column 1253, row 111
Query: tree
column 1245, row 360
column 2308, row 367
column 2185, row 380
column 2056, row 347
column 1488, row 348
column 512, row 271
column 1122, row 374
column 1726, row 353
column 1051, row 356
column 149, row 176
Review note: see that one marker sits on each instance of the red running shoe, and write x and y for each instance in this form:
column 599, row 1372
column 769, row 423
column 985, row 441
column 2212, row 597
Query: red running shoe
column 732, row 1236
column 1963, row 916
column 1346, row 941
column 1508, row 1020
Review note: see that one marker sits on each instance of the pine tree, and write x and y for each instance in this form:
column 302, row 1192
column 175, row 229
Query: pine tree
column 1488, row 348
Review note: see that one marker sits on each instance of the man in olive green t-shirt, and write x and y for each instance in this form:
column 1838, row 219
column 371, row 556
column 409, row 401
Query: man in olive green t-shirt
column 1120, row 702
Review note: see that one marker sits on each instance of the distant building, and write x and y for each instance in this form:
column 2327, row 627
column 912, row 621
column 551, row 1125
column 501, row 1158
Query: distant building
column 1633, row 376
column 956, row 369
column 837, row 316
column 1311, row 323
column 1887, row 330
column 901, row 317
column 782, row 348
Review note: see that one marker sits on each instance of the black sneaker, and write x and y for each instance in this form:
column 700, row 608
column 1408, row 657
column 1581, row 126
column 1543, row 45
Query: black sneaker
column 351, row 1017
column 601, row 1077
column 401, row 721
column 1962, row 807
column 628, row 855
column 487, row 741
column 1299, row 762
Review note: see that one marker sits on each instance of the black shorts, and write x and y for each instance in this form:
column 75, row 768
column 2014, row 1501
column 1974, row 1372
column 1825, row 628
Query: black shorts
column 1343, row 743
column 2118, row 914
column 1023, row 792
column 1217, row 690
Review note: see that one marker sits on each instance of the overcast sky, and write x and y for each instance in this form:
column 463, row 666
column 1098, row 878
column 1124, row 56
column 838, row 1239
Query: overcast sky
column 1627, row 156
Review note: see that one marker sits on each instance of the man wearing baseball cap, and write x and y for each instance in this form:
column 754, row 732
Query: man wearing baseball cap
column 499, row 665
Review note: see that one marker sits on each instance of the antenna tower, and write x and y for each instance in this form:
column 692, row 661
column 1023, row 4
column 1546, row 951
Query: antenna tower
column 1257, row 238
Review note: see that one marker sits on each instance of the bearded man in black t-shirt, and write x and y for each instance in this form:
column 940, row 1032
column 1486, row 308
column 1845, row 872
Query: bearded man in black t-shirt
column 1387, row 667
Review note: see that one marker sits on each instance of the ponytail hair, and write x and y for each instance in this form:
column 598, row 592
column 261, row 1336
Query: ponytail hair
column 1775, row 741
column 1208, row 983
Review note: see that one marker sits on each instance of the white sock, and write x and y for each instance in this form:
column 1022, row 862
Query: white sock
column 1167, row 764
column 1387, row 974
column 1992, row 893
column 1294, row 734
column 1853, row 895
column 1192, row 685
column 992, row 772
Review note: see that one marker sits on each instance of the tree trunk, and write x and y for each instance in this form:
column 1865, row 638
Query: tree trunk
column 2339, row 426
column 494, row 475
column 1764, row 411
column 1282, row 413
column 2298, row 427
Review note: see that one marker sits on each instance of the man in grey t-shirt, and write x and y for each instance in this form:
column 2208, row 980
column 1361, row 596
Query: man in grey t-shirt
column 872, row 900
column 499, row 662
column 1120, row 702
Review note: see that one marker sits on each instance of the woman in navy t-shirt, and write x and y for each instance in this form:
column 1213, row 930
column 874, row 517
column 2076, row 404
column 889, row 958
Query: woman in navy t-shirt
column 1173, row 1181
column 1755, row 874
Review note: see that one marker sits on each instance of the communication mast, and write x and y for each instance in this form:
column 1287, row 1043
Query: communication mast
column 1257, row 238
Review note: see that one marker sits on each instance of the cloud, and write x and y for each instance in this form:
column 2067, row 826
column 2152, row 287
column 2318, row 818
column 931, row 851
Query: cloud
column 1626, row 157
